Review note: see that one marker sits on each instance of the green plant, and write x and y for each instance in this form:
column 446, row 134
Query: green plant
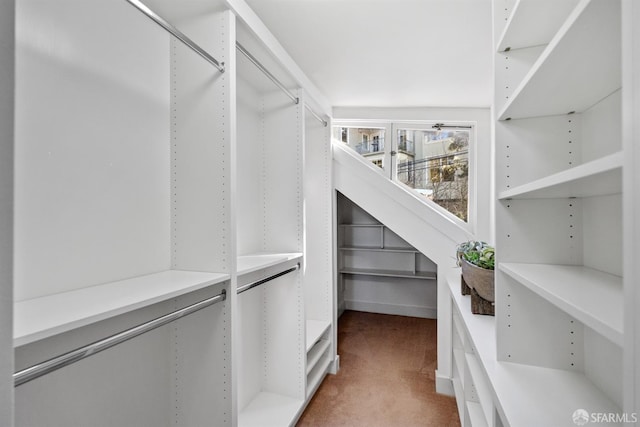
column 477, row 253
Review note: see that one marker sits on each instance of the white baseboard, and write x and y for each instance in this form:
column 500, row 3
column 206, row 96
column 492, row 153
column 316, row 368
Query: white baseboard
column 401, row 310
column 444, row 385
column 335, row 366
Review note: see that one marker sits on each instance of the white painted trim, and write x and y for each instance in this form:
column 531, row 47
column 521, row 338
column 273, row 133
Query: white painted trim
column 444, row 385
column 631, row 201
column 334, row 368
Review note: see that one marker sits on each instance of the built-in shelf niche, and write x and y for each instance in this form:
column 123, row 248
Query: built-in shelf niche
column 379, row 271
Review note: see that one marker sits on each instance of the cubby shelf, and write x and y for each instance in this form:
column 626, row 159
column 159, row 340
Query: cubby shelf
column 316, row 375
column 558, row 391
column 595, row 178
column 476, row 416
column 589, row 295
column 422, row 275
column 315, row 330
column 482, row 387
column 458, row 359
column 43, row 317
column 270, row 409
column 533, row 23
column 567, row 77
column 314, row 355
column 459, row 393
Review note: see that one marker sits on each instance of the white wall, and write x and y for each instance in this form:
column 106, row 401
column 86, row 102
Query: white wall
column 6, row 210
column 481, row 205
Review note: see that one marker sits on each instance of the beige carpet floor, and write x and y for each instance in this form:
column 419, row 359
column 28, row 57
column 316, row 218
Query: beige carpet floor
column 386, row 378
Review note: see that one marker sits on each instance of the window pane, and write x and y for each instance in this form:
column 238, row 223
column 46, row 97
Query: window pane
column 435, row 162
column 369, row 142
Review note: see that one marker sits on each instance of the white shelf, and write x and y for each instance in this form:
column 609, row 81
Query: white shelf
column 422, row 275
column 591, row 296
column 458, row 359
column 482, row 387
column 315, row 329
column 379, row 249
column 476, row 416
column 363, row 225
column 559, row 392
column 596, row 178
column 534, row 23
column 40, row 318
column 270, row 410
column 575, row 70
column 257, row 261
column 316, row 375
column 459, row 395
column 316, row 352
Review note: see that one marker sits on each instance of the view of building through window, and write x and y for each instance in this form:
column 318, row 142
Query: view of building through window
column 366, row 141
column 435, row 162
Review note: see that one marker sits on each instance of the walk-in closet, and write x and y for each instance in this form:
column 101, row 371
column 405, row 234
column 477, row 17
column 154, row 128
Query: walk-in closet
column 203, row 203
column 160, row 268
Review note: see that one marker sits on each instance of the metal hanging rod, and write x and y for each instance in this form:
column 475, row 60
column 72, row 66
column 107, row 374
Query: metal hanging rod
column 176, row 33
column 439, row 126
column 266, row 72
column 314, row 114
column 252, row 285
column 73, row 356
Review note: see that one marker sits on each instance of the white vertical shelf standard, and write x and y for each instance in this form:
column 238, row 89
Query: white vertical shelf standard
column 7, row 80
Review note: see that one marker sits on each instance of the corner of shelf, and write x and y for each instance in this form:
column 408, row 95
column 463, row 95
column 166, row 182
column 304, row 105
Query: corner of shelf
column 591, row 296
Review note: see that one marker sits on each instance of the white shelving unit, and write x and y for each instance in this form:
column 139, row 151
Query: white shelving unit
column 147, row 180
column 271, row 374
column 565, row 79
column 557, row 340
column 558, row 336
column 319, row 293
column 122, row 155
column 509, row 386
column 378, row 271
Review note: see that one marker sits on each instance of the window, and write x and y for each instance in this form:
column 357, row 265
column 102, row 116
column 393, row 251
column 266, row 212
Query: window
column 437, row 165
column 432, row 159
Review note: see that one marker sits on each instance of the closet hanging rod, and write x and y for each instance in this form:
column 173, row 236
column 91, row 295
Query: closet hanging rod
column 176, row 33
column 266, row 72
column 314, row 114
column 252, row 285
column 73, row 356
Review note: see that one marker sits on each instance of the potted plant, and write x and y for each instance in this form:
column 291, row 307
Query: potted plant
column 477, row 261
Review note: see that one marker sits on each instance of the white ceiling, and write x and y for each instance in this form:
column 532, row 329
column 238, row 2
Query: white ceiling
column 388, row 53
